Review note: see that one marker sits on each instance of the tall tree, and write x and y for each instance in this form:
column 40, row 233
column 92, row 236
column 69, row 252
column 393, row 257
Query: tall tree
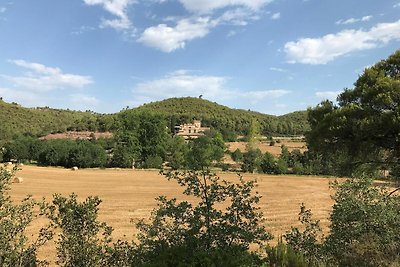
column 361, row 131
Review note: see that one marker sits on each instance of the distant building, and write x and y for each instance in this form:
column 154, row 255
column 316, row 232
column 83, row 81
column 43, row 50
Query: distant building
column 190, row 130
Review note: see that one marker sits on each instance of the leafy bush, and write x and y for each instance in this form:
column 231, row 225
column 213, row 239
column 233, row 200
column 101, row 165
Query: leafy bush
column 83, row 240
column 153, row 162
column 251, row 160
column 182, row 232
column 283, row 255
column 15, row 248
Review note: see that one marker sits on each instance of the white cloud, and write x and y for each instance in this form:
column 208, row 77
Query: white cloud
column 182, row 83
column 278, row 69
column 117, row 8
column 330, row 95
column 276, row 15
column 3, row 9
column 238, row 17
column 327, row 48
column 168, row 39
column 353, row 20
column 396, row 5
column 23, row 97
column 42, row 78
column 82, row 30
column 207, row 6
column 84, row 99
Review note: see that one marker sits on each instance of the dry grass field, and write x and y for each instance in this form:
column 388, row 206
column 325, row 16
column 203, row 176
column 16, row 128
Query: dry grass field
column 265, row 147
column 129, row 194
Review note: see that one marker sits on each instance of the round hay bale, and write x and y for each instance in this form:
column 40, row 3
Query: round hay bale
column 74, row 168
column 21, row 164
column 18, row 180
column 9, row 163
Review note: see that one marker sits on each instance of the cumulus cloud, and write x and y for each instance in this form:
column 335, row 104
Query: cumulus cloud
column 327, row 48
column 182, row 83
column 207, row 6
column 168, row 39
column 396, row 5
column 117, row 8
column 39, row 77
column 330, row 95
column 353, row 20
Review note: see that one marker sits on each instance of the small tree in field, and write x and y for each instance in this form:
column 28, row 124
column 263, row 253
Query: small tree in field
column 183, row 232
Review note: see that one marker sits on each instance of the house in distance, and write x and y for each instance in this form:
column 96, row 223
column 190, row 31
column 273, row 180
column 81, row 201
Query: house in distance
column 190, row 130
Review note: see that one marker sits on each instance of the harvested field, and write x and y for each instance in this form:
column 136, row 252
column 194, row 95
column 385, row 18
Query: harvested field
column 129, row 194
column 77, row 135
column 265, row 147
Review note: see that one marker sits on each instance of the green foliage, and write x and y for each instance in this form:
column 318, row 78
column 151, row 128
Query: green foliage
column 203, row 151
column 363, row 230
column 360, row 134
column 272, row 143
column 270, row 165
column 126, row 151
column 253, row 133
column 365, row 225
column 153, row 162
column 69, row 153
column 83, row 241
column 251, row 160
column 17, row 120
column 15, row 248
column 237, row 155
column 176, row 152
column 283, row 255
column 181, row 232
column 229, row 122
column 140, row 135
column 306, row 242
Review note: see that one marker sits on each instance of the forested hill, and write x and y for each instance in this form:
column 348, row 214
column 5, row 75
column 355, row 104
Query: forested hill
column 16, row 120
column 223, row 118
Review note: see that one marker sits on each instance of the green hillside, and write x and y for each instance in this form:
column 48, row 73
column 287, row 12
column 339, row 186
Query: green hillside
column 16, row 120
column 223, row 118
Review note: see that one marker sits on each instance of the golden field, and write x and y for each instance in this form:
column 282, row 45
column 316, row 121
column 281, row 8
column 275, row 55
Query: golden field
column 265, row 147
column 129, row 195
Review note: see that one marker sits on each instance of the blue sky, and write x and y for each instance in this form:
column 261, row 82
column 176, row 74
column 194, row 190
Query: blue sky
column 271, row 56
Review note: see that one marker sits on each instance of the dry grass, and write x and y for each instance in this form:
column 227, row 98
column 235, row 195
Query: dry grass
column 265, row 147
column 129, row 194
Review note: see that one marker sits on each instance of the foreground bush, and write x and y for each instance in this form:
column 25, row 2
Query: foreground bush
column 364, row 229
column 203, row 234
column 15, row 248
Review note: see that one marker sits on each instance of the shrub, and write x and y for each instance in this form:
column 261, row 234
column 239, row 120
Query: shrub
column 15, row 249
column 153, row 162
column 79, row 243
column 202, row 234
